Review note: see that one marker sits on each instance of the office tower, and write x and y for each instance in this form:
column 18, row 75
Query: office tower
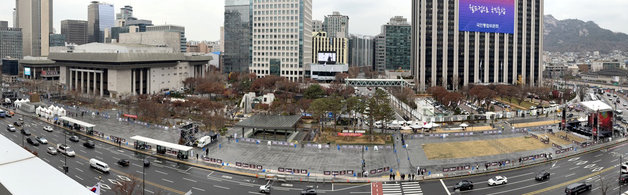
column 57, row 40
column 172, row 28
column 339, row 47
column 100, row 16
column 75, row 31
column 237, row 36
column 317, row 25
column 361, row 51
column 456, row 46
column 392, row 50
column 15, row 18
column 126, row 12
column 282, row 38
column 34, row 17
column 11, row 42
column 4, row 24
column 336, row 25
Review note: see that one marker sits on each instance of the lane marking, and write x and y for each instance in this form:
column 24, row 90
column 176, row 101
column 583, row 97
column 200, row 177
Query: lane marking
column 444, row 186
column 189, row 179
column 79, row 169
column 79, row 177
column 227, row 177
column 99, row 152
column 136, row 165
column 572, row 168
column 598, row 160
column 199, row 189
column 80, row 163
column 226, row 188
column 158, row 171
column 167, row 180
column 149, row 191
column 569, row 175
column 254, row 192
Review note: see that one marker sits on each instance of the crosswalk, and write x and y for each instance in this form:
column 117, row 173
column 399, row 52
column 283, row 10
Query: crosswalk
column 403, row 188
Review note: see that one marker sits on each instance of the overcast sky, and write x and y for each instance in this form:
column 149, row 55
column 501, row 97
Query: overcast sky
column 203, row 18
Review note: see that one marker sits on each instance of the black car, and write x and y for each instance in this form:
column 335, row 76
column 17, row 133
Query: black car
column 74, row 138
column 89, row 144
column 542, row 176
column 577, row 188
column 25, row 132
column 17, row 124
column 32, row 142
column 623, row 178
column 308, row 191
column 123, row 162
column 146, row 163
column 464, row 185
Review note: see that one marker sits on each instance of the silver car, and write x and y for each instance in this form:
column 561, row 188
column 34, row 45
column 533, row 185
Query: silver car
column 51, row 150
column 48, row 128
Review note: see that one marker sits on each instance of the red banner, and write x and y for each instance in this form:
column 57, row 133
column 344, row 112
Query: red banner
column 350, row 134
column 130, row 116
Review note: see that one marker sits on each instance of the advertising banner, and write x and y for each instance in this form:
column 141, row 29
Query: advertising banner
column 492, row 16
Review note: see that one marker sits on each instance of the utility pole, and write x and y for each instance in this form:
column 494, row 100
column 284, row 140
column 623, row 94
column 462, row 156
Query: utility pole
column 143, row 176
column 620, row 162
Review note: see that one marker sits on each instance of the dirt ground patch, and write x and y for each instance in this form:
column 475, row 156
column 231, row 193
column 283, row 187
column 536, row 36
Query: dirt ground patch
column 536, row 124
column 332, row 137
column 555, row 139
column 468, row 149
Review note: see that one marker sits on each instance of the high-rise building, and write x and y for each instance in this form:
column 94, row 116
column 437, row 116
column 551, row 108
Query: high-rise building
column 126, row 12
column 11, row 42
column 393, row 45
column 282, row 38
column 15, row 18
column 4, row 24
column 57, row 40
column 237, row 36
column 100, row 16
column 172, row 28
column 317, row 25
column 75, row 31
column 454, row 46
column 361, row 51
column 323, row 44
column 34, row 17
column 336, row 25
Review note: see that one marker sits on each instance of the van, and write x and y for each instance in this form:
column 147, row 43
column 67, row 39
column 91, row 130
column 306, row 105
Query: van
column 577, row 188
column 203, row 141
column 96, row 164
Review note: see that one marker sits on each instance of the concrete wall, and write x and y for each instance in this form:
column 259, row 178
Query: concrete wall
column 64, row 78
column 119, row 82
column 170, row 39
column 169, row 77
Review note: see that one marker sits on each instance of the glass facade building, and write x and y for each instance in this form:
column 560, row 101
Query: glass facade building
column 237, row 36
column 100, row 16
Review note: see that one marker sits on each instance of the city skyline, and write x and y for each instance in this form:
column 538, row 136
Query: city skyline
column 365, row 17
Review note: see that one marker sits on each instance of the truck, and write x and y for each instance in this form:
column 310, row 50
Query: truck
column 203, row 141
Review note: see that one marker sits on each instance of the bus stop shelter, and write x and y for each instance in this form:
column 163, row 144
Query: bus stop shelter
column 76, row 124
column 163, row 147
column 270, row 123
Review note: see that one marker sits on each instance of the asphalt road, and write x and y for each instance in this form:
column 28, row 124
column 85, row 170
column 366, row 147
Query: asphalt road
column 162, row 176
column 563, row 172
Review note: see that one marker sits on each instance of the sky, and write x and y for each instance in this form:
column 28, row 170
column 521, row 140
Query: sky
column 203, row 18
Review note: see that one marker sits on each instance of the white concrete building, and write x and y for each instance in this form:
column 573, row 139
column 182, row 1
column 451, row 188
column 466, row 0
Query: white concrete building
column 117, row 70
column 281, row 38
column 154, row 38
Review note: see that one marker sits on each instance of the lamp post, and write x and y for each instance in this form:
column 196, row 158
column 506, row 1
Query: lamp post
column 143, row 175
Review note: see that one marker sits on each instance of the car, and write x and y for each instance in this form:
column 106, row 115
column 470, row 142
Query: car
column 497, row 180
column 464, row 185
column 146, row 163
column 624, row 168
column 48, row 128
column 65, row 149
column 577, row 188
column 89, row 144
column 11, row 128
column 17, row 124
column 51, row 150
column 265, row 188
column 542, row 176
column 74, row 138
column 32, row 142
column 123, row 162
column 25, row 132
column 623, row 179
column 99, row 165
column 41, row 140
column 308, row 191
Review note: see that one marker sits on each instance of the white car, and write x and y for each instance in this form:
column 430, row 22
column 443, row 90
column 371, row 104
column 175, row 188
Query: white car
column 497, row 180
column 65, row 149
column 265, row 188
column 51, row 150
column 48, row 128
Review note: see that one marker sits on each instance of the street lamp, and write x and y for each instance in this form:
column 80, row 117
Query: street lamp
column 143, row 175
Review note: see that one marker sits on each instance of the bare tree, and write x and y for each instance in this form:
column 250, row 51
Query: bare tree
column 604, row 185
column 128, row 187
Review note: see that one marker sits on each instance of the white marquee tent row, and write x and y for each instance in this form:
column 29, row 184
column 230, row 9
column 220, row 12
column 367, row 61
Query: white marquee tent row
column 18, row 103
column 50, row 112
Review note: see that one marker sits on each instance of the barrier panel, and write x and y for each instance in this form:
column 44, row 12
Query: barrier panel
column 212, row 160
column 291, row 170
column 249, row 166
column 564, row 150
column 379, row 170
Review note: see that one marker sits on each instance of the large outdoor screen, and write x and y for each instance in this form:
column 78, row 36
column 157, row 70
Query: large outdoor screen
column 492, row 16
column 326, row 57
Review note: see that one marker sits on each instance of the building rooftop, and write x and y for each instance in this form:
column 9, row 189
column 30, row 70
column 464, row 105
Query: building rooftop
column 120, row 53
column 270, row 122
column 17, row 167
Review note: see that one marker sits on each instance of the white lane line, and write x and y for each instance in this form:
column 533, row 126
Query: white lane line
column 167, row 180
column 598, row 160
column 78, row 177
column 189, row 179
column 199, row 189
column 445, row 186
column 83, row 151
column 46, row 160
column 98, row 152
column 226, row 188
column 79, row 169
column 598, row 155
column 227, row 177
column 138, row 172
column 115, row 158
column 80, row 163
column 98, row 157
column 615, row 160
column 515, row 189
column 254, row 192
column 595, row 188
column 149, row 191
column 136, row 165
column 158, row 171
column 572, row 168
column 569, row 175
